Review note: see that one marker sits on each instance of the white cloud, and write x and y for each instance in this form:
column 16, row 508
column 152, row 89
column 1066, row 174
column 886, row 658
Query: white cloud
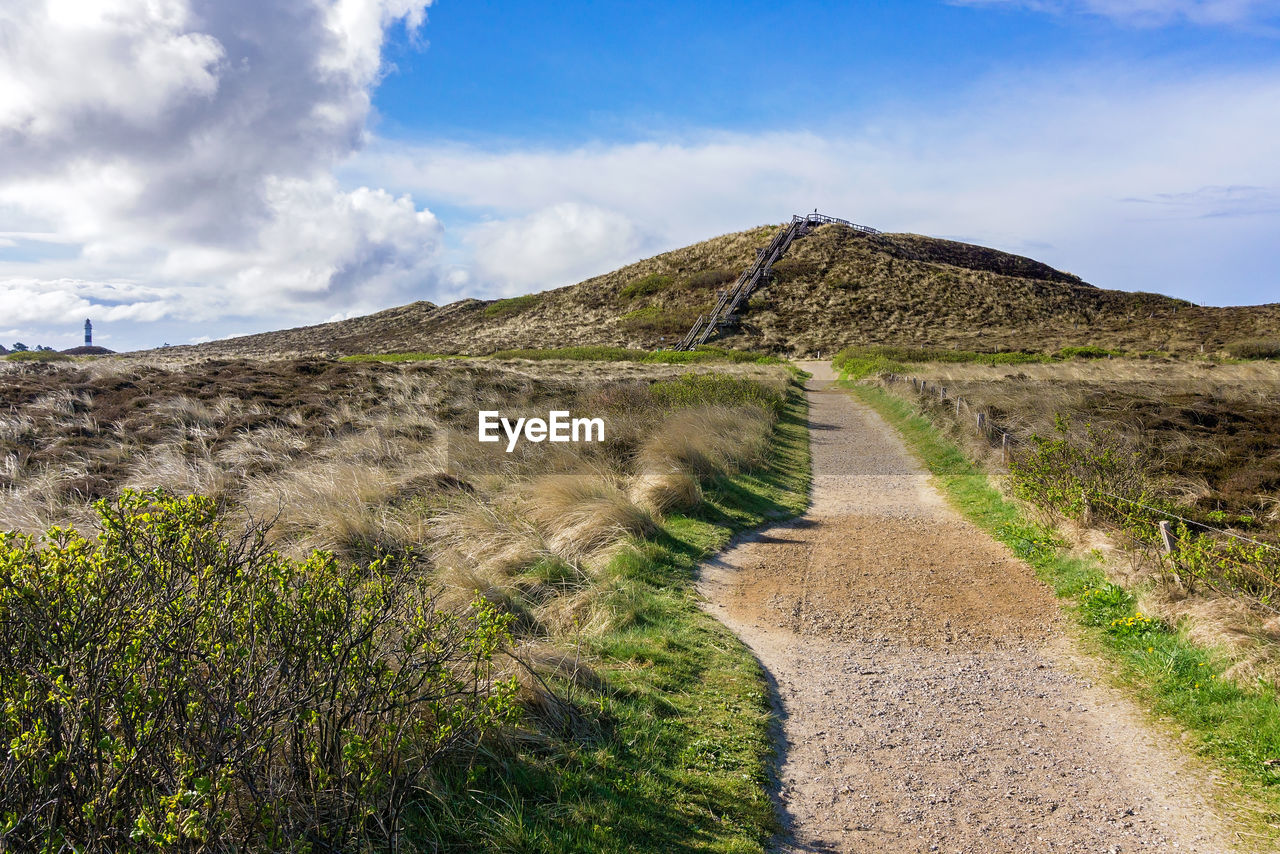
column 64, row 60
column 1149, row 13
column 560, row 243
column 188, row 146
column 1046, row 166
column 68, row 300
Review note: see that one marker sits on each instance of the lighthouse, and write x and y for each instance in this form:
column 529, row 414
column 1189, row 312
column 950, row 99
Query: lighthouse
column 88, row 333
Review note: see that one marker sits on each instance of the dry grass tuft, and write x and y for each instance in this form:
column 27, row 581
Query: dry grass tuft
column 582, row 513
column 662, row 492
column 488, row 538
column 706, row 441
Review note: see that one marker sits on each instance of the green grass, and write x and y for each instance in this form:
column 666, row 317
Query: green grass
column 1234, row 726
column 512, row 305
column 677, row 750
column 38, row 356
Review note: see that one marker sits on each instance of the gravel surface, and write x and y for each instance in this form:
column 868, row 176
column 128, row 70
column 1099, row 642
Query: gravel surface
column 928, row 696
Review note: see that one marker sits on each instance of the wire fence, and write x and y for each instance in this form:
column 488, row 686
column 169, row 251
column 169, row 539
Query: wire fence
column 1192, row 551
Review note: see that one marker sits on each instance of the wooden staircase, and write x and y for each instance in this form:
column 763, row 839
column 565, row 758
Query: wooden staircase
column 757, row 271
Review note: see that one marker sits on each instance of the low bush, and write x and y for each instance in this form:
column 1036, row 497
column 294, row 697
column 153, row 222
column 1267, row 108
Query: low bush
column 652, row 320
column 511, row 305
column 1088, row 351
column 791, row 269
column 646, row 286
column 1095, row 476
column 1256, row 348
column 170, row 685
column 708, row 279
column 38, row 356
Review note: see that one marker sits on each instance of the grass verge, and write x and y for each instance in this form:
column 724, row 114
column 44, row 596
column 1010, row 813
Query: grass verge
column 672, row 754
column 1236, row 727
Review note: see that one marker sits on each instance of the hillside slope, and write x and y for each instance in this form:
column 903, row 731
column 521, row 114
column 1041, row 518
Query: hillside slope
column 835, row 287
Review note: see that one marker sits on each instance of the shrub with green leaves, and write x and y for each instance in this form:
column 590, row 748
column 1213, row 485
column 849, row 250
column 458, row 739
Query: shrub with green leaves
column 1095, row 476
column 171, row 684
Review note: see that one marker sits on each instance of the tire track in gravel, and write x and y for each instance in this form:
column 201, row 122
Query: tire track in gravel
column 928, row 695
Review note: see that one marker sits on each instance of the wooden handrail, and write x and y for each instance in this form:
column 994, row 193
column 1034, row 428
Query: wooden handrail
column 758, row 270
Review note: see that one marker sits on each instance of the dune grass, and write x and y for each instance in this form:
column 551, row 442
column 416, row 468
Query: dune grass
column 702, row 355
column 677, row 749
column 1234, row 726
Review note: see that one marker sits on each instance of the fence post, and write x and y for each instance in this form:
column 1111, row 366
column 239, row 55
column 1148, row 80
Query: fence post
column 1004, row 448
column 959, row 400
column 942, row 393
column 982, row 422
column 1166, row 537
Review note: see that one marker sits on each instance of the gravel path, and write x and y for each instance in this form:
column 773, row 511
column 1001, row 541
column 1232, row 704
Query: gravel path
column 928, row 695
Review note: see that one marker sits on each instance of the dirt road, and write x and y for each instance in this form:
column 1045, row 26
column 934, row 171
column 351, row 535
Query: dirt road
column 929, row 697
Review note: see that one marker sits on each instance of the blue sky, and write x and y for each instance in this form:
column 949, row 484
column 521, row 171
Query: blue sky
column 187, row 169
column 562, row 73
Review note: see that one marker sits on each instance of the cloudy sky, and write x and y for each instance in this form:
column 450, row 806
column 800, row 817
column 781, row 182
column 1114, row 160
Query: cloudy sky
column 187, row 169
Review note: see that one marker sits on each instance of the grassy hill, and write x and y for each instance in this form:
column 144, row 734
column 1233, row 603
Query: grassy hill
column 835, row 287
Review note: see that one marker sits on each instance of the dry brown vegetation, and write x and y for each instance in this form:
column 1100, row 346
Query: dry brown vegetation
column 1208, row 434
column 356, row 456
column 836, row 287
